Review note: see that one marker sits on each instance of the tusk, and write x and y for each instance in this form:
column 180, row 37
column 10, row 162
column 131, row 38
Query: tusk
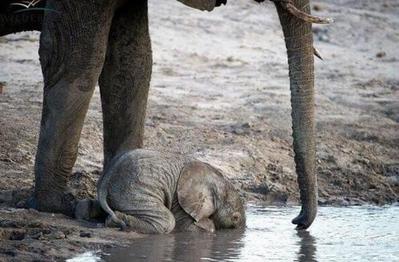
column 317, row 53
column 290, row 7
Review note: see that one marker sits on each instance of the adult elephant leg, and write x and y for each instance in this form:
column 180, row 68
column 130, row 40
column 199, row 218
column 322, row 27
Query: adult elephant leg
column 299, row 43
column 125, row 79
column 72, row 50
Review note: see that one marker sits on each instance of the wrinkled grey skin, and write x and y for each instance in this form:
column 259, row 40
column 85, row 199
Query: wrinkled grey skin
column 151, row 192
column 83, row 42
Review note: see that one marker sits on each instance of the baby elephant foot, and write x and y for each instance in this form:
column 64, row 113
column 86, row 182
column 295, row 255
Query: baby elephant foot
column 116, row 220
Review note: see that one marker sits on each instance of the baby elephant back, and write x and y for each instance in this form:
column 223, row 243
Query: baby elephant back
column 144, row 177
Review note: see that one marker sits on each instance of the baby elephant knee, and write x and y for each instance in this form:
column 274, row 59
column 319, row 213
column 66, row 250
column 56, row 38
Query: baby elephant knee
column 164, row 224
column 169, row 225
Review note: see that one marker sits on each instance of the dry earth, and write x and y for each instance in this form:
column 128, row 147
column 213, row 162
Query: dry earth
column 220, row 92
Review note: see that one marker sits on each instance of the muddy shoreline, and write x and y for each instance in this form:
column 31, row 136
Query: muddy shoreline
column 220, row 92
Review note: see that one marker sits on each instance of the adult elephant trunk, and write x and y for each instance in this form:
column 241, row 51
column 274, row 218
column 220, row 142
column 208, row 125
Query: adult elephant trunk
column 299, row 42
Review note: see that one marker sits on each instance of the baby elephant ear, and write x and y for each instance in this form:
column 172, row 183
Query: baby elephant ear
column 194, row 190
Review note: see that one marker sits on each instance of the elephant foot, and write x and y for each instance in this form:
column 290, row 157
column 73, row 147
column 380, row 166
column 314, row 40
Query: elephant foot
column 109, row 222
column 53, row 202
column 118, row 220
column 304, row 219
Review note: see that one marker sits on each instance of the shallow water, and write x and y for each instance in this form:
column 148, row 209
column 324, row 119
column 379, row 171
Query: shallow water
column 338, row 234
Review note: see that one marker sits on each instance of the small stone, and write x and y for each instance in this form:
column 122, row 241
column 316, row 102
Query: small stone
column 21, row 204
column 67, row 231
column 17, row 235
column 85, row 234
column 381, row 54
column 58, row 235
column 239, row 131
column 246, row 125
column 322, row 201
column 36, row 224
column 242, row 129
column 46, row 231
column 37, row 236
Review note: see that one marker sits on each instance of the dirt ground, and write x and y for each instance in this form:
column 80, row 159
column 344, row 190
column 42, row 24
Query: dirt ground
column 220, row 91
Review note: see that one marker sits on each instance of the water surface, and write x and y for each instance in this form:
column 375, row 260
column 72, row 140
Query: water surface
column 338, row 234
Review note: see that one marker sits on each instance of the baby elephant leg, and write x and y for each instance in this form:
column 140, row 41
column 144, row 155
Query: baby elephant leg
column 184, row 222
column 204, row 225
column 88, row 209
column 157, row 221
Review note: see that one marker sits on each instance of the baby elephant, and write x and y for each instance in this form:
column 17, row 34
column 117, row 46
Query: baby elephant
column 152, row 192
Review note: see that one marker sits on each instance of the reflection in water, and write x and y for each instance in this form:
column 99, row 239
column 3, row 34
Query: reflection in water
column 186, row 246
column 339, row 234
column 307, row 247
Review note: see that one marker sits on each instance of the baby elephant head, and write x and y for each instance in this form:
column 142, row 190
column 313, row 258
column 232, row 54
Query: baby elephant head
column 203, row 192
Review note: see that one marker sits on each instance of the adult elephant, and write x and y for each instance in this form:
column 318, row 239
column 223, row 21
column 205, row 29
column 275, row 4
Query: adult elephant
column 108, row 41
